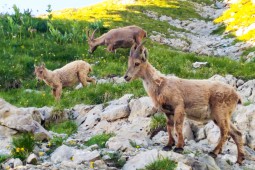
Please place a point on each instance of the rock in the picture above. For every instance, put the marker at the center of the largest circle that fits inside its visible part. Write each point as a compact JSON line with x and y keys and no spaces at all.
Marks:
{"x":9,"y":114}
{"x":212,"y":132}
{"x":32,"y":159}
{"x":239,"y":82}
{"x":144,"y":158}
{"x":136,"y":131}
{"x":62,"y":153}
{"x":187,"y":131}
{"x":80,"y":156}
{"x":222,"y":164}
{"x":91,"y":118}
{"x":115,"y":112}
{"x":182,"y":166}
{"x":17,"y":162}
{"x":100,"y":164}
{"x":85,"y":110}
{"x":244,"y":117}
{"x":142,"y":107}
{"x":199,"y":64}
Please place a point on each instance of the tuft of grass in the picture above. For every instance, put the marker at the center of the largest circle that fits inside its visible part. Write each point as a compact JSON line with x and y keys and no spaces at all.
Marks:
{"x":54,"y":143}
{"x":134,"y":144}
{"x":3,"y":158}
{"x":68,"y":127}
{"x":161,"y":164}
{"x":100,"y":140}
{"x":158,"y":120}
{"x":116,"y":160}
{"x":23,"y":145}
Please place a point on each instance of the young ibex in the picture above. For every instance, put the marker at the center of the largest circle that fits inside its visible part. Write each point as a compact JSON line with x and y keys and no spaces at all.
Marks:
{"x":123,"y":37}
{"x":200,"y":100}
{"x":69,"y":75}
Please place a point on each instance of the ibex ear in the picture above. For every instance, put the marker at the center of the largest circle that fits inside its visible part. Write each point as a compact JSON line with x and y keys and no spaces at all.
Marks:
{"x":132,"y":50}
{"x":43,"y":65}
{"x":144,"y":54}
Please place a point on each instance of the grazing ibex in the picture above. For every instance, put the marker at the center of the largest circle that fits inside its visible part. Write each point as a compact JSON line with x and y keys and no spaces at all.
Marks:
{"x":123,"y":37}
{"x":69,"y":75}
{"x":200,"y":100}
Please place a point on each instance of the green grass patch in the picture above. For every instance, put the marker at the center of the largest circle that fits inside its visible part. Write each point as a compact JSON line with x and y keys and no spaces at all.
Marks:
{"x":67,"y":127}
{"x":158,"y":120}
{"x":161,"y":164}
{"x":3,"y":158}
{"x":100,"y":140}
{"x":23,"y":145}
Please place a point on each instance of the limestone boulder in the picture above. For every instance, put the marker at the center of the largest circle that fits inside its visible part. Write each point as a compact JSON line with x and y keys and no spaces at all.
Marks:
{"x":142,"y":107}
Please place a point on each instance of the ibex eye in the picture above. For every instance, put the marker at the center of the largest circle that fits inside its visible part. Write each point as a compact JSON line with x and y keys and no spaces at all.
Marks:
{"x":137,"y":64}
{"x":40,"y":72}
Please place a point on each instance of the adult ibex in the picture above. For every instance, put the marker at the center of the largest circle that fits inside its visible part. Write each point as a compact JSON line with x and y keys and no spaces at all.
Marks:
{"x":200,"y":100}
{"x":123,"y":37}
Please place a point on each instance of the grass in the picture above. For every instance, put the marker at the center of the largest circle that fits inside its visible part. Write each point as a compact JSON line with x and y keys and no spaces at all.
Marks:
{"x":158,"y":120}
{"x":3,"y":158}
{"x":23,"y":145}
{"x":100,"y":140}
{"x":161,"y":164}
{"x":61,"y":38}
{"x":54,"y":143}
{"x":67,"y":127}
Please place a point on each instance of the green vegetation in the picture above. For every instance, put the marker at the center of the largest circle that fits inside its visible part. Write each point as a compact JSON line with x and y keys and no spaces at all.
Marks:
{"x":161,"y":164}
{"x":100,"y":140}
{"x":116,"y":160}
{"x":54,"y":143}
{"x":3,"y":158}
{"x":134,"y":144}
{"x":158,"y":120}
{"x":61,"y":38}
{"x":23,"y":145}
{"x":67,"y":127}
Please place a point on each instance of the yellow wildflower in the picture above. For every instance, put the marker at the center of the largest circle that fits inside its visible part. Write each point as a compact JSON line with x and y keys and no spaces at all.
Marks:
{"x":91,"y":165}
{"x":71,"y":158}
{"x":41,"y":153}
{"x":17,"y":149}
{"x":22,"y":149}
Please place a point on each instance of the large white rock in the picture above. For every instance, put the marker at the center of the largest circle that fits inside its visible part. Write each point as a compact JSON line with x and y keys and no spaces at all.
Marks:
{"x":17,"y":119}
{"x":182,"y":166}
{"x":212,"y":132}
{"x":245,"y":121}
{"x":115,"y":112}
{"x":90,"y":119}
{"x":142,"y":107}
{"x":136,"y":131}
{"x":62,"y":153}
{"x":144,"y":158}
{"x":83,"y":110}
{"x":80,"y":156}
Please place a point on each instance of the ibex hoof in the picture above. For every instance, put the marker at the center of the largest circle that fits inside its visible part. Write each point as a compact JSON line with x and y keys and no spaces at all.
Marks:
{"x":178,"y":150}
{"x":212,"y":154}
{"x":167,"y":148}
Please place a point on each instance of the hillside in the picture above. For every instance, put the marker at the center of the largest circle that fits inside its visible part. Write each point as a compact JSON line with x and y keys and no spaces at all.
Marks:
{"x":108,"y":125}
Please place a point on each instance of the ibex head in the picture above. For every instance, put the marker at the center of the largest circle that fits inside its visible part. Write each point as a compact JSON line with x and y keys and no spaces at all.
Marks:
{"x":136,"y":62}
{"x":91,"y":41}
{"x":40,"y":71}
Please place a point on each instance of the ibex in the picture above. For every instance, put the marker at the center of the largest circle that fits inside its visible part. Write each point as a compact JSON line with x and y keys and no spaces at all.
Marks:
{"x":69,"y":75}
{"x":123,"y":37}
{"x":200,"y":100}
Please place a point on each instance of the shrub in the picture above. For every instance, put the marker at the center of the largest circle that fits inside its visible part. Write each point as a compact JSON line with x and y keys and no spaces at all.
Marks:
{"x":100,"y":140}
{"x":22,"y":145}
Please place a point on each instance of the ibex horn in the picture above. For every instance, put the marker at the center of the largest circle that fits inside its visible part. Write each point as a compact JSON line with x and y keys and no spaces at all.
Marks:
{"x":92,"y":36}
{"x":137,"y":51}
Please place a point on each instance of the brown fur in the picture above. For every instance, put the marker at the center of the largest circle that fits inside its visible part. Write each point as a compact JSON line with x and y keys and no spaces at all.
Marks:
{"x":200,"y":100}
{"x":69,"y":75}
{"x":123,"y":37}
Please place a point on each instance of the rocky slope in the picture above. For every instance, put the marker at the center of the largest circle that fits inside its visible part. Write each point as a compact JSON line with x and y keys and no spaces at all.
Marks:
{"x":198,"y":36}
{"x":129,"y":119}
